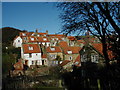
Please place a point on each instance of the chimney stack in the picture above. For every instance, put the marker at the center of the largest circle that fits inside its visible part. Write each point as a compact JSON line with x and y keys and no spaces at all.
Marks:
{"x":47,"y":31}
{"x":36,"y":30}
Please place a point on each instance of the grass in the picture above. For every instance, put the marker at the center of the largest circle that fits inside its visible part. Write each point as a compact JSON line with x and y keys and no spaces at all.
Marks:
{"x":50,"y":88}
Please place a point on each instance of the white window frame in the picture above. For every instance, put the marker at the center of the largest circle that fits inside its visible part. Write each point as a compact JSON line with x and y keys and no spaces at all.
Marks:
{"x":23,"y":34}
{"x":53,"y":56}
{"x":52,"y":49}
{"x":94,"y":58}
{"x":84,"y":58}
{"x":32,"y":39}
{"x":69,"y":52}
{"x":30,"y":48}
{"x":44,"y":39}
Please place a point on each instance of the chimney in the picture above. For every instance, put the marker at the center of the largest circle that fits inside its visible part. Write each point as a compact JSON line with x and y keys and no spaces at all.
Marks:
{"x":47,"y":31}
{"x":36,"y":30}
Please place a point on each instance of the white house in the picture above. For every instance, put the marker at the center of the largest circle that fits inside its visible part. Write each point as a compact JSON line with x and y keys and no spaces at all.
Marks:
{"x":31,"y":54}
{"x":17,"y":42}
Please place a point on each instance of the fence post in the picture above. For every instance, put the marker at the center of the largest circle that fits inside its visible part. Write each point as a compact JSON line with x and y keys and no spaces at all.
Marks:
{"x":98,"y":82}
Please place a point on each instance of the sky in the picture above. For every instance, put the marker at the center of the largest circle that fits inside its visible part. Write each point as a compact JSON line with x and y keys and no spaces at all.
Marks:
{"x":31,"y":16}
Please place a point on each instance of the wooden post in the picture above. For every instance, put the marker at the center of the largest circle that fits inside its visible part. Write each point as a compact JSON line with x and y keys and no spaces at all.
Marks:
{"x":98,"y":82}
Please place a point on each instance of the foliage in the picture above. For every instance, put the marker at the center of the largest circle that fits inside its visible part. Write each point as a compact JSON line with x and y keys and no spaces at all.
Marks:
{"x":54,"y":71}
{"x":91,"y":77}
{"x":10,"y":55}
{"x":7,"y":62}
{"x":8,"y":34}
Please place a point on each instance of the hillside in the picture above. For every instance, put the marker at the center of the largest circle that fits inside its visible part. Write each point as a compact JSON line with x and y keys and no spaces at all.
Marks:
{"x":8,"y":34}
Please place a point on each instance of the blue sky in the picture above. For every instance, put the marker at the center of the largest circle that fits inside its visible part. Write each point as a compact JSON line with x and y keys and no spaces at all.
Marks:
{"x":31,"y":15}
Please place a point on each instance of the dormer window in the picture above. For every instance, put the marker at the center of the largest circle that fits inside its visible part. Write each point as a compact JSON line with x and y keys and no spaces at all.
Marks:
{"x":53,"y":39}
{"x":56,"y":38}
{"x":69,"y":52}
{"x":44,"y":39}
{"x":32,"y":39}
{"x":63,"y":39}
{"x":23,"y":34}
{"x":44,"y":34}
{"x":30,"y":48}
{"x":52,"y":49}
{"x":38,"y":35}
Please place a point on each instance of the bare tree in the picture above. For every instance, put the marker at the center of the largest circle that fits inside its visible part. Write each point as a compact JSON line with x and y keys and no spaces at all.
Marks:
{"x":77,"y":17}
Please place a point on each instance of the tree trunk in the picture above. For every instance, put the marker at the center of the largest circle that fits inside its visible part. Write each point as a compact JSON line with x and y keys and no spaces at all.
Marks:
{"x":105,"y":53}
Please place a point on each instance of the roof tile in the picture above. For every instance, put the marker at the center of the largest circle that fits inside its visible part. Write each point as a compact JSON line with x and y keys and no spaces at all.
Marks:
{"x":36,"y":48}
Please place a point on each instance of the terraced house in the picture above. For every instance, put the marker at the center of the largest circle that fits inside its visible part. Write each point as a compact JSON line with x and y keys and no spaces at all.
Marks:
{"x":44,"y":49}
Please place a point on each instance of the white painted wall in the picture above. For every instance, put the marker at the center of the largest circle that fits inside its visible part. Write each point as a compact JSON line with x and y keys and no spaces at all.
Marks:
{"x":17,"y":42}
{"x":35,"y":56}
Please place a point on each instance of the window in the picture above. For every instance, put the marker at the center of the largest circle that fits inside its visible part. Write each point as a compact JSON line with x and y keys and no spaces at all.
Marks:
{"x":32,"y":39}
{"x":70,"y":57}
{"x":44,"y":39}
{"x":53,"y":56}
{"x":94,"y":58}
{"x":63,"y":39}
{"x":56,"y":38}
{"x":18,"y":40}
{"x":44,"y":34}
{"x":52,"y":49}
{"x":84,"y":58}
{"x":23,"y":34}
{"x":52,"y":38}
{"x":32,"y":62}
{"x":69,"y":52}
{"x":30,"y":48}
{"x":30,"y":55}
{"x":76,"y":63}
{"x":72,"y":44}
{"x":36,"y":54}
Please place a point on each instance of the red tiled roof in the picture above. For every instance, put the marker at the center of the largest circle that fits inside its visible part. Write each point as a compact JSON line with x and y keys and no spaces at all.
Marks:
{"x":63,"y":44}
{"x":98,"y":47}
{"x":30,"y":39}
{"x":18,"y":65}
{"x":26,"y":33}
{"x":36,"y":48}
{"x":110,"y":55}
{"x":80,"y":41}
{"x":42,"y":33}
{"x":75,"y":50}
{"x":71,"y":38}
{"x":65,"y":62}
{"x":41,"y":39}
{"x":57,"y":49}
